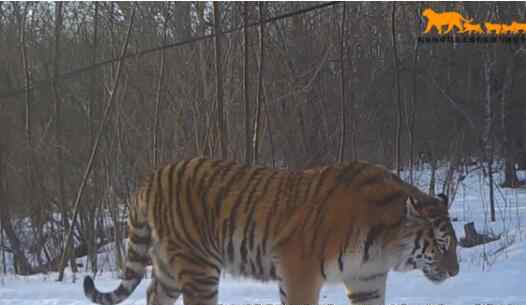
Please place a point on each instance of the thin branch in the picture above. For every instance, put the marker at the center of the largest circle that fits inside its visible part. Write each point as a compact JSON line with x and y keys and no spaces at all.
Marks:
{"x":94,"y":149}
{"x":72,"y":73}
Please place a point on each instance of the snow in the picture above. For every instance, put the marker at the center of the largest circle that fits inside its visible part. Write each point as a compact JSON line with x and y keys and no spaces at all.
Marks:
{"x":489,"y":274}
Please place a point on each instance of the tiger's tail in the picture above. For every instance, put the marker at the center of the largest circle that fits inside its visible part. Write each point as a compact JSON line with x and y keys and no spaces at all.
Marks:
{"x":139,"y":242}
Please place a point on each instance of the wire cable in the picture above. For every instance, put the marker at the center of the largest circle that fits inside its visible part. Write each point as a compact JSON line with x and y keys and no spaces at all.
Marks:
{"x":72,"y":73}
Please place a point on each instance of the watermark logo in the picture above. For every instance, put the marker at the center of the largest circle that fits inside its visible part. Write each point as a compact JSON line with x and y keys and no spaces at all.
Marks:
{"x":467,"y":30}
{"x":440,"y":20}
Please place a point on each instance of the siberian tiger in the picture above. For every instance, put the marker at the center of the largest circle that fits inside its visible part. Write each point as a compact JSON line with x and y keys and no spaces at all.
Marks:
{"x":352,"y":223}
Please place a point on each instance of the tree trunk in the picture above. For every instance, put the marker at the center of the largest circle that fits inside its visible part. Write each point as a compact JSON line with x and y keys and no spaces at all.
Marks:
{"x":473,"y":238}
{"x":488,"y":133}
{"x":91,"y":212}
{"x":398,"y":134}
{"x":221,"y":130}
{"x":411,"y":113}
{"x":506,"y":121}
{"x":155,"y":145}
{"x":341,"y":151}
{"x":255,"y":137}
{"x":59,"y":145}
{"x":248,"y":152}
{"x":94,"y":149}
{"x":22,"y":264}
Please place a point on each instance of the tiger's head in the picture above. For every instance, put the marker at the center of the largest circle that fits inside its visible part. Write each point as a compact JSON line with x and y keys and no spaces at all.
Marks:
{"x":428,"y":239}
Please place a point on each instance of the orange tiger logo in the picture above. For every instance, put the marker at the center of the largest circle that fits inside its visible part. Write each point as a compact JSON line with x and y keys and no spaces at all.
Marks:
{"x":513,"y":28}
{"x":439,"y":20}
{"x":196,"y":218}
{"x":472,"y":28}
{"x":493,"y":28}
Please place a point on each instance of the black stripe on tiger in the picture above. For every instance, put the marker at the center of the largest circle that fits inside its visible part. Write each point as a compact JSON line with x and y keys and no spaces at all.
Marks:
{"x":200,"y":292}
{"x":198,"y":261}
{"x":372,"y":277}
{"x":203,"y":248}
{"x":344,"y":246}
{"x":417,"y":241}
{"x":253,"y":203}
{"x":373,"y":234}
{"x":322,"y":255}
{"x":270,"y":215}
{"x":194,"y":218}
{"x":158,"y":207}
{"x":243,"y":247}
{"x":223,"y":193}
{"x":319,"y":215}
{"x":363,"y":297}
{"x":176,"y":212}
{"x":234,"y":212}
{"x":219,"y":171}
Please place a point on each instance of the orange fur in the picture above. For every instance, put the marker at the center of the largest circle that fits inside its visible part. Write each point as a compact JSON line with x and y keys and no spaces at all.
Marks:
{"x":299,"y":227}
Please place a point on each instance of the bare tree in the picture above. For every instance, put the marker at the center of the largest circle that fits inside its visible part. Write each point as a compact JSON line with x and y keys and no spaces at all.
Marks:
{"x":255,"y":137}
{"x":94,"y":149}
{"x":488,"y":131}
{"x":398,"y":132}
{"x":59,"y":143}
{"x":91,"y":212}
{"x":411,"y":107}
{"x":221,"y":130}
{"x":248,"y":147}
{"x":343,"y":113}
{"x":162,"y":55}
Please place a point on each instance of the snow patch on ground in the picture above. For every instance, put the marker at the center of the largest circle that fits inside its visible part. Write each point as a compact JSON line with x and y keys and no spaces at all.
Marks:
{"x":491,"y":273}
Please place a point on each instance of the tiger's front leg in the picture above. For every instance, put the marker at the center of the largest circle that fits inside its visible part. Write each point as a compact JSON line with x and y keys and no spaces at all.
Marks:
{"x":367,"y":289}
{"x":301,"y":279}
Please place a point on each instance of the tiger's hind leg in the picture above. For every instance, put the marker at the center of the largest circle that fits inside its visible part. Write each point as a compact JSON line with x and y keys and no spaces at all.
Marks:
{"x":198,"y":278}
{"x":200,"y":287}
{"x":164,"y":288}
{"x":160,"y":294}
{"x":367,"y":289}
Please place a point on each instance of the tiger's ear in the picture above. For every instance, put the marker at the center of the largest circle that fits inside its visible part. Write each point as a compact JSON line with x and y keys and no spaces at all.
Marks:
{"x":444,"y":200}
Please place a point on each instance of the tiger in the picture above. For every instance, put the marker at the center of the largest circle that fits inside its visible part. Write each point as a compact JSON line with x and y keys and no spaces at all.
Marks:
{"x":352,"y":223}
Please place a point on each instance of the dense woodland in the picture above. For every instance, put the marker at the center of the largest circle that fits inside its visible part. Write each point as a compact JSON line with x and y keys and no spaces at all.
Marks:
{"x":343,"y":81}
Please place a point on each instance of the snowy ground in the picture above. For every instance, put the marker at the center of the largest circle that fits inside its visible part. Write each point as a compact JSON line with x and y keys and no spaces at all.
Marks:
{"x":490,"y":274}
